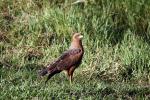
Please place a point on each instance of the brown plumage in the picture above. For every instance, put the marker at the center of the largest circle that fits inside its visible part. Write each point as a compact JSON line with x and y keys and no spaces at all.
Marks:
{"x":68,"y":61}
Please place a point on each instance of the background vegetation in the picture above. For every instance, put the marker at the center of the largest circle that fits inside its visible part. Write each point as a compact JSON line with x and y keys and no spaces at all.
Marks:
{"x":116,"y":63}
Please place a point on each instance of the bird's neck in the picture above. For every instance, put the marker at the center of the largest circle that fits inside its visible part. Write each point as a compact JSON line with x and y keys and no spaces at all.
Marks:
{"x":76,"y":44}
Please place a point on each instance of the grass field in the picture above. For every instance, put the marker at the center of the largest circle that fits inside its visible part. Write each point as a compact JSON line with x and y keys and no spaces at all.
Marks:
{"x":116,"y":63}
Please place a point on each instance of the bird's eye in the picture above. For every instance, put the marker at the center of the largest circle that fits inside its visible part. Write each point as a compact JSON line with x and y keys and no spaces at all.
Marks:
{"x":76,"y":36}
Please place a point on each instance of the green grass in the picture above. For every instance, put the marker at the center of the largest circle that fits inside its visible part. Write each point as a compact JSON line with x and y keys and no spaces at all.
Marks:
{"x":116,"y":63}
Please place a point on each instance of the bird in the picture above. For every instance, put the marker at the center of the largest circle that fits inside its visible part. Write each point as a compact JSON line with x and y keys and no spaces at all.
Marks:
{"x":68,"y":61}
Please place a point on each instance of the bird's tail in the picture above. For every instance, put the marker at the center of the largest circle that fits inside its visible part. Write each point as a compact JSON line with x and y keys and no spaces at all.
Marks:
{"x":51,"y":71}
{"x":43,"y":72}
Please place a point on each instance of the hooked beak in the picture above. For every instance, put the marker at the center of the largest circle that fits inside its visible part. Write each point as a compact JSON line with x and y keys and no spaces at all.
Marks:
{"x":81,"y":36}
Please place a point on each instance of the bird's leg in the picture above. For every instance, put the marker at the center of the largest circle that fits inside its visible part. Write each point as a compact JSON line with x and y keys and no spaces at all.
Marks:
{"x":70,"y":79}
{"x":70,"y":74}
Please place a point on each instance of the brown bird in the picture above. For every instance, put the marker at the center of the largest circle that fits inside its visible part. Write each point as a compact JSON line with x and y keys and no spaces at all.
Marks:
{"x":68,"y":61}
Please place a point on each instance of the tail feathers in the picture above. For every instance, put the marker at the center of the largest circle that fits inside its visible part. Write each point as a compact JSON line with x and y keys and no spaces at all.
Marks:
{"x":51,"y":74}
{"x":50,"y":71}
{"x":43,"y":72}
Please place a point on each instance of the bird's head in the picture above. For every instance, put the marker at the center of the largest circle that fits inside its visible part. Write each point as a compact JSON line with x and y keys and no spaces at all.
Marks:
{"x":76,"y":41}
{"x":77,"y":37}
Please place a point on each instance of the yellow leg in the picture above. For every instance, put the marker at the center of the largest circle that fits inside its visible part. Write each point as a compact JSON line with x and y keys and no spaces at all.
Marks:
{"x":70,"y":74}
{"x":70,"y":79}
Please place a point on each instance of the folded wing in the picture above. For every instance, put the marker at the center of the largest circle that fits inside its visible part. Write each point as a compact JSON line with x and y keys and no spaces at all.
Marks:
{"x":67,"y":59}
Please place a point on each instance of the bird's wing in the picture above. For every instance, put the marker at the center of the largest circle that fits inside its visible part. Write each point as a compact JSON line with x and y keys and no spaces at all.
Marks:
{"x":68,"y":59}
